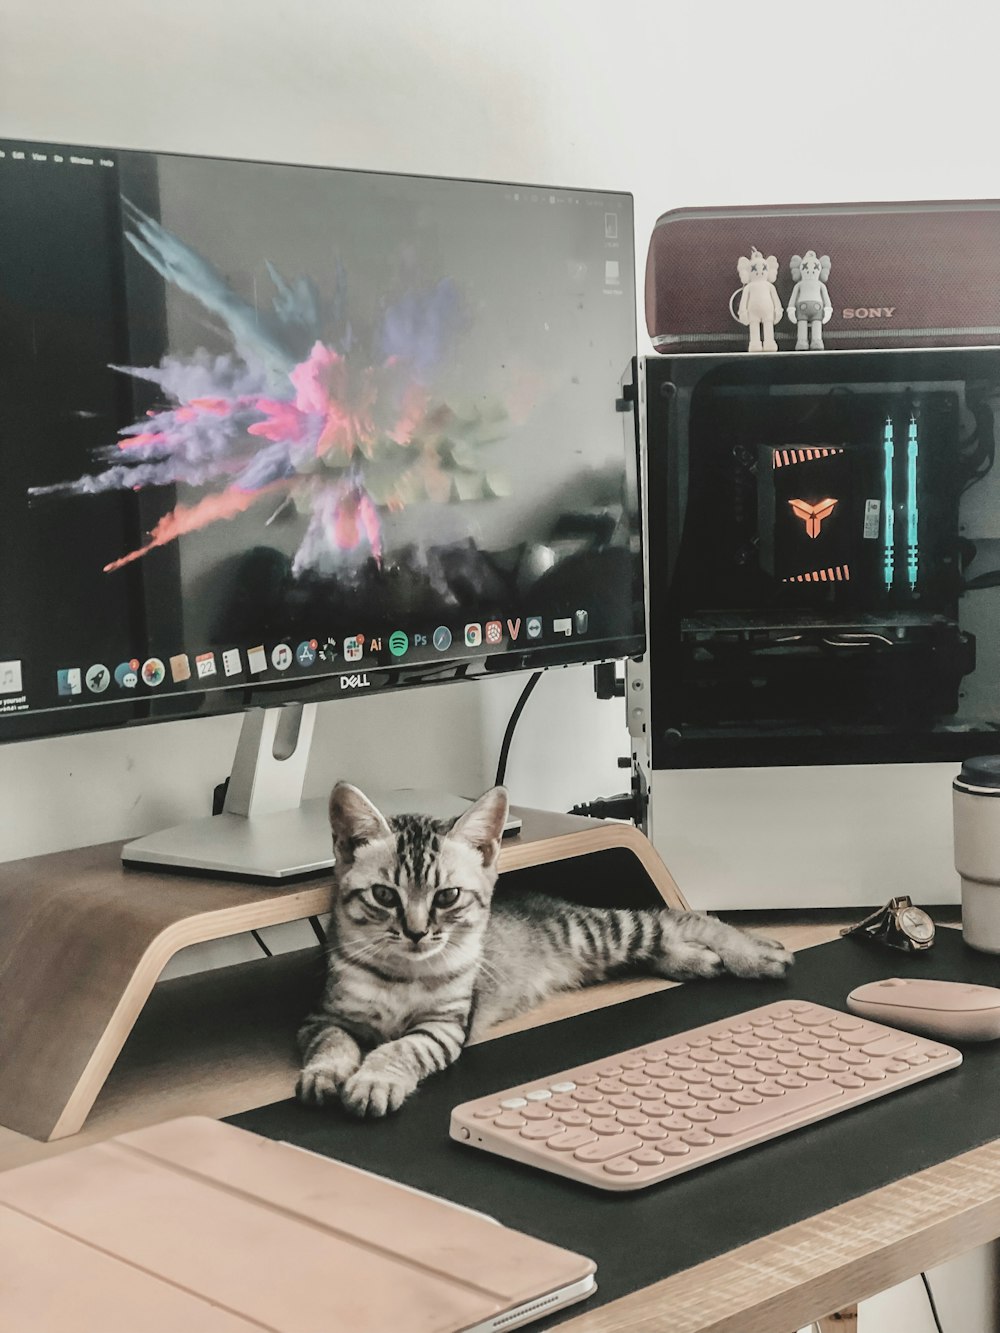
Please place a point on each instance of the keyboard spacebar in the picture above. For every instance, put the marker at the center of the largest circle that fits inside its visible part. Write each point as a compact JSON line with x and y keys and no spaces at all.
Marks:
{"x":754,"y":1117}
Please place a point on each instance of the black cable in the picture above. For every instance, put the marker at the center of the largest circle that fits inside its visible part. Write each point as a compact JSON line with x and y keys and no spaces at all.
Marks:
{"x":508,"y":735}
{"x":264,"y":949}
{"x":930,"y":1297}
{"x":318,"y":930}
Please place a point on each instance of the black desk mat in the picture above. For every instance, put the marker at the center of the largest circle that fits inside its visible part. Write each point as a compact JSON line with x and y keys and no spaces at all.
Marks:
{"x":641,"y":1238}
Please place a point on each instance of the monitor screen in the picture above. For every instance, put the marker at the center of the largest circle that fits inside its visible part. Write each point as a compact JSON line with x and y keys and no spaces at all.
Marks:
{"x":274,"y":432}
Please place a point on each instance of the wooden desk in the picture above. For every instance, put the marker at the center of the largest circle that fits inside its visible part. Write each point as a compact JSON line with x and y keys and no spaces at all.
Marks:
{"x":219,"y":1043}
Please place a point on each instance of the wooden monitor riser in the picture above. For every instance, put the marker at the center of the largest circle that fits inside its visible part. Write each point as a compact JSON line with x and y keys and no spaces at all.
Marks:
{"x":84,"y":941}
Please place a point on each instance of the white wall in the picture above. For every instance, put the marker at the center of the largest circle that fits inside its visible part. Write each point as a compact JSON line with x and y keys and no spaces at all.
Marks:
{"x":695,"y":104}
{"x":681,"y":104}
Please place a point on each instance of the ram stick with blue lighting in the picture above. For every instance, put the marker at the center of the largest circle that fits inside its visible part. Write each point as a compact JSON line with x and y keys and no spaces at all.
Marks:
{"x":912,"y":555}
{"x":889,"y":537}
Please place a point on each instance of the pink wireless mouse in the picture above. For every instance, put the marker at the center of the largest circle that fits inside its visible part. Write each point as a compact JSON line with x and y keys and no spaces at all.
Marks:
{"x":949,"y":1010}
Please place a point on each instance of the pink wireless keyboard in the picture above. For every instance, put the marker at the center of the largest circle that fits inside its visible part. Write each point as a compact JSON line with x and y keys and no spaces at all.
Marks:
{"x":643,"y":1115}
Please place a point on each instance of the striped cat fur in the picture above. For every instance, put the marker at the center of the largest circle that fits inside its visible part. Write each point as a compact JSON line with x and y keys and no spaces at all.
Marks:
{"x":421,"y":958}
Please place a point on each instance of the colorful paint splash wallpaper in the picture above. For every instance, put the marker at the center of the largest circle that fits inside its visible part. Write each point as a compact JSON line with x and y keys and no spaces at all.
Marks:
{"x":346,"y":433}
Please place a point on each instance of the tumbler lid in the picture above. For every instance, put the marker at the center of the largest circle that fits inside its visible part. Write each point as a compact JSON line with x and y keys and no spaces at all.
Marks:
{"x":983,"y":771}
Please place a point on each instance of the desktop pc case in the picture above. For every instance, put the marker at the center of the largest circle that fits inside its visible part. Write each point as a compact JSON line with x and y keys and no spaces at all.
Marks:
{"x":901,"y":274}
{"x":823,"y":577}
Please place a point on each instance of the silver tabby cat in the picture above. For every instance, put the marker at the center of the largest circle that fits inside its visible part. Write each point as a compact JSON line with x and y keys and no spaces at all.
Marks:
{"x":419,"y":963}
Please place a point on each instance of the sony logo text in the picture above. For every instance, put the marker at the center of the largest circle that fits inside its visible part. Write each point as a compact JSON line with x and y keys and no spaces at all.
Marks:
{"x":355,"y":682}
{"x":870,"y":312}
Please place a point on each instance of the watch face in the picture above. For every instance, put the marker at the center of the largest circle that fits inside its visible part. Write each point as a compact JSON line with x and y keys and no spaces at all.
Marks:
{"x":916,"y":924}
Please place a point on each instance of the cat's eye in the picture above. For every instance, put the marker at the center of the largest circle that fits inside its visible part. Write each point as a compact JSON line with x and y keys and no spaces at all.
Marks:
{"x":383,"y":895}
{"x":446,"y":897}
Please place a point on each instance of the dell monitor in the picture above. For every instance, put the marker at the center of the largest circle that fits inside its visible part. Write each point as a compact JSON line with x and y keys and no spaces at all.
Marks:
{"x":272,"y":435}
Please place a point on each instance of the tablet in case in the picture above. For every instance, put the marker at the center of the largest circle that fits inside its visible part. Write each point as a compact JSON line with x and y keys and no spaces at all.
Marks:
{"x":197,"y":1224}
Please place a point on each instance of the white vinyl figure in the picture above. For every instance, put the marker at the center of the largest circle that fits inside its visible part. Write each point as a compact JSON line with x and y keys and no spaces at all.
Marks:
{"x":809,"y":305}
{"x":759,"y":304}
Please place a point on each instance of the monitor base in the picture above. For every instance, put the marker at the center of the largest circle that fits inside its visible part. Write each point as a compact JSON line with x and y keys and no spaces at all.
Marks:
{"x":284,"y":844}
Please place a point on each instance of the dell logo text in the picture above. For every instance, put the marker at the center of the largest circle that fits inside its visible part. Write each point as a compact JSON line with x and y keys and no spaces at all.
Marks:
{"x":355,"y":682}
{"x":870,"y":312}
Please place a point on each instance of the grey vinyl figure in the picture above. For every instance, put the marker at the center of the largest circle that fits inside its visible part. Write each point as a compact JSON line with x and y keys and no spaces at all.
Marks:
{"x":809,"y":305}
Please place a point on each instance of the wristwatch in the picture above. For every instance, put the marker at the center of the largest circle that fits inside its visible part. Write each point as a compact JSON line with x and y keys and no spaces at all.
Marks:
{"x":898,"y":924}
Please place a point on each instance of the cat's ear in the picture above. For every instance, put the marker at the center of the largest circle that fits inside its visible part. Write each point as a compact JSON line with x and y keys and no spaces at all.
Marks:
{"x":481,"y":826}
{"x":354,"y":820}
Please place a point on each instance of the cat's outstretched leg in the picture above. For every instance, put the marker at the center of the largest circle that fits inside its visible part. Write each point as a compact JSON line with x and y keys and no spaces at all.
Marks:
{"x":694,"y":944}
{"x":392,"y":1071}
{"x":329,"y":1057}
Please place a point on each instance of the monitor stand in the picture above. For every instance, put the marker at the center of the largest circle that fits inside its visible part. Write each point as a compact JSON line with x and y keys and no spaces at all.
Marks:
{"x":266,"y":830}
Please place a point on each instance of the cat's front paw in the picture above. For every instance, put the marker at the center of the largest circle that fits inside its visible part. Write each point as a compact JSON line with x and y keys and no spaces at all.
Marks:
{"x":752,"y":956}
{"x":375,"y":1092}
{"x":323,"y":1077}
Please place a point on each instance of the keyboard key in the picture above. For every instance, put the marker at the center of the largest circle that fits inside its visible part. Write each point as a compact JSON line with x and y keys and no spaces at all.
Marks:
{"x":539,"y":1095}
{"x":723,"y":1106}
{"x":603,"y":1150}
{"x":564,"y":1086}
{"x":694,"y":1076}
{"x":659,"y":1069}
{"x":890,"y":1045}
{"x":652,"y":1132}
{"x":633,"y":1079}
{"x":609,"y":1071}
{"x":698,"y":1138}
{"x":537,"y":1112}
{"x":705,"y":1094}
{"x":770,"y":1067}
{"x":571,"y":1140}
{"x":574,"y":1118}
{"x":792,"y":1061}
{"x":656,"y":1109}
{"x":870,"y":1073}
{"x":895,"y":1066}
{"x":632,"y":1118}
{"x":678,"y":1062}
{"x":509,"y":1120}
{"x":747,"y":1098}
{"x":679,"y":1100}
{"x":746,"y":1043}
{"x":541,"y":1129}
{"x":834,"y":1065}
{"x":512,"y":1103}
{"x":561,"y":1103}
{"x":791,"y":1081}
{"x":914,"y":1058}
{"x":621,"y":1167}
{"x":625,"y":1102}
{"x":647,"y":1157}
{"x":633,"y":1062}
{"x":696,"y":1042}
{"x":846,"y":1024}
{"x":700,"y":1115}
{"x":733,"y":1047}
{"x":673,"y":1148}
{"x":726,"y":1084}
{"x":675,"y":1122}
{"x":585,"y":1080}
{"x":611,"y":1085}
{"x":855,"y":1058}
{"x":815,"y":1073}
{"x":488,"y":1112}
{"x":751,"y":1076}
{"x":606,"y":1127}
{"x":602,"y":1111}
{"x":769,"y":1089}
{"x":848,"y":1081}
{"x":740,"y":1062}
{"x":833,"y":1045}
{"x":587,"y":1096}
{"x":654,"y":1092}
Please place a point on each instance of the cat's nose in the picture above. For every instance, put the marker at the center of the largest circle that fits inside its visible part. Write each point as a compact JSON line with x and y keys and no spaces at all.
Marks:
{"x":415,"y":935}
